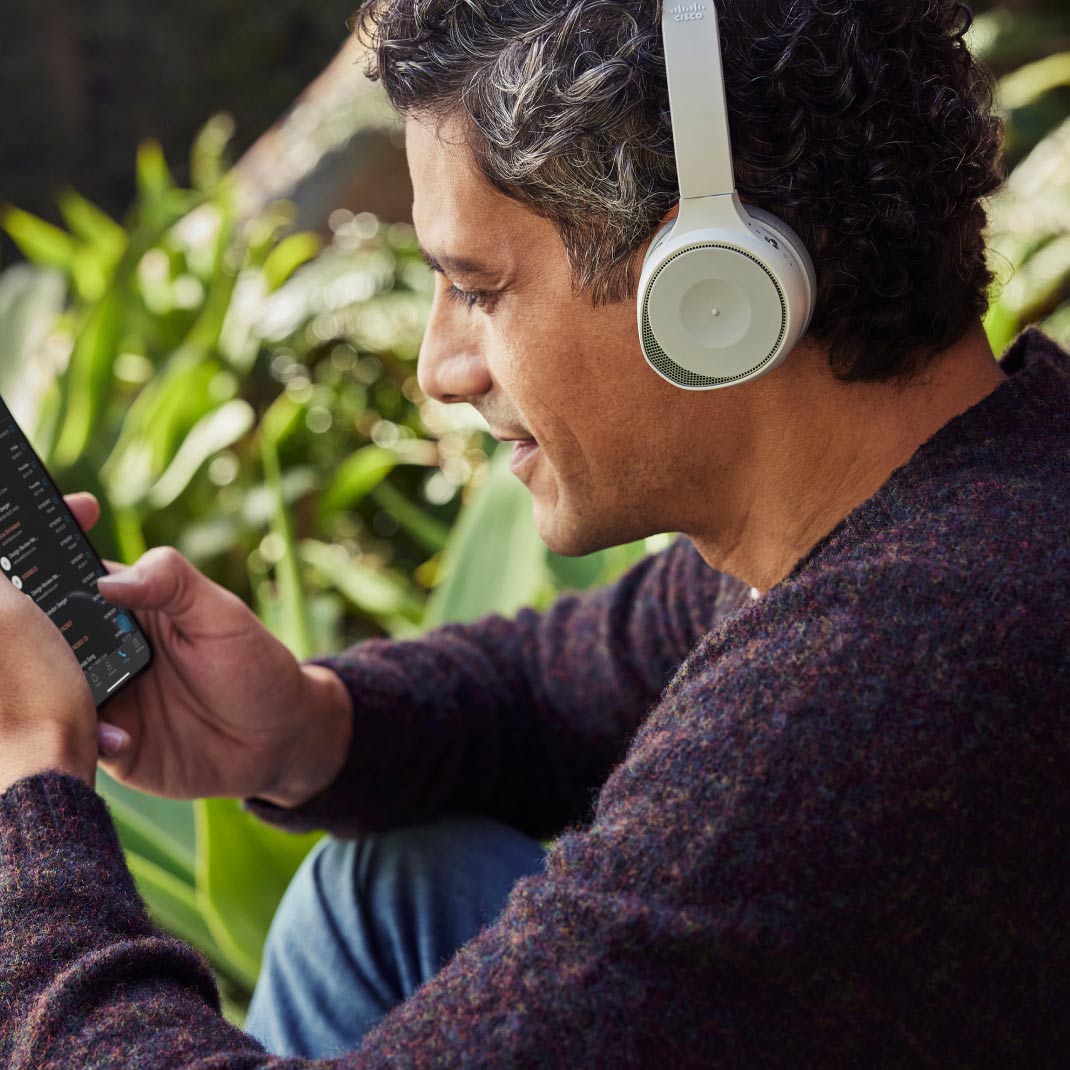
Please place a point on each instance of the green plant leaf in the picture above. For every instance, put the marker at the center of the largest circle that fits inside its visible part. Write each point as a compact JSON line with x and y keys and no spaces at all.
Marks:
{"x":92,"y":225}
{"x":89,"y":376}
{"x":212,"y":433}
{"x":430,"y":533}
{"x":173,"y":905}
{"x":154,"y":179}
{"x":40,"y":241}
{"x":296,"y":629}
{"x":494,"y":561}
{"x":354,"y":478}
{"x":166,"y":410}
{"x":243,"y":869}
{"x":375,"y":593}
{"x":1026,"y":84}
{"x":168,"y":821}
{"x":288,"y":256}
{"x":138,"y":834}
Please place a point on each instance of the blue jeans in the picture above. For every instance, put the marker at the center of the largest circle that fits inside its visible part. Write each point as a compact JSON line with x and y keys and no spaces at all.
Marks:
{"x":365,"y":922}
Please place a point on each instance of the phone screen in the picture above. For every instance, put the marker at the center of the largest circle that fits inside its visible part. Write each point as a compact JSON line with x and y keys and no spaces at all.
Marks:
{"x":45,"y":554}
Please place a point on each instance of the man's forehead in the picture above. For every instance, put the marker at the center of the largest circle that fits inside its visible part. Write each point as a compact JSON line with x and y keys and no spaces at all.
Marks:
{"x":459,"y":216}
{"x":448,"y":190}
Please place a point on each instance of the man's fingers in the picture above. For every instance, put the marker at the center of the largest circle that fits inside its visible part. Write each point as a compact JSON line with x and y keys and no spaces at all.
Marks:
{"x":85,"y":507}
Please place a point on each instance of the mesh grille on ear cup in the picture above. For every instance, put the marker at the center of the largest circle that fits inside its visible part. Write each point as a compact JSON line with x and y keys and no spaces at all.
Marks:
{"x":683,"y":376}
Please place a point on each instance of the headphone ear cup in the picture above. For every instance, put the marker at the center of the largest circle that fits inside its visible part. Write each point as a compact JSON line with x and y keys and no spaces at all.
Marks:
{"x":661,"y":233}
{"x":784,"y":235}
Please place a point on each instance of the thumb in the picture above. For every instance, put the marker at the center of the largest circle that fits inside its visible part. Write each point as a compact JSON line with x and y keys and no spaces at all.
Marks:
{"x":161,"y":579}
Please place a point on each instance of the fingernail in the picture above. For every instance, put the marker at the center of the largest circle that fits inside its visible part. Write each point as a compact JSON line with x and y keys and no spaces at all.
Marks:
{"x":127,"y":578}
{"x":112,"y":739}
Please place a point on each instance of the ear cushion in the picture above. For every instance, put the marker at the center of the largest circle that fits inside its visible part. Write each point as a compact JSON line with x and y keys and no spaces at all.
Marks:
{"x":661,"y":233}
{"x":788,"y":237}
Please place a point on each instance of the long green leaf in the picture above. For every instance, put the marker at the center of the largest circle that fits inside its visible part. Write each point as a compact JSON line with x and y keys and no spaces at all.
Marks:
{"x":354,"y":478}
{"x":376,"y":594}
{"x":170,"y":820}
{"x":243,"y":869}
{"x":138,"y":834}
{"x":92,"y":225}
{"x":173,"y":905}
{"x":211,"y":434}
{"x":494,"y":561}
{"x":42,"y":242}
{"x":288,"y":256}
{"x":430,"y":533}
{"x":294,"y":621}
{"x":89,"y":377}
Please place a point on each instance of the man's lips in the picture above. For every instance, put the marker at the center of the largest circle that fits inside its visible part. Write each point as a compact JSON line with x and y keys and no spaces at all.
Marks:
{"x":525,"y":448}
{"x":524,"y":452}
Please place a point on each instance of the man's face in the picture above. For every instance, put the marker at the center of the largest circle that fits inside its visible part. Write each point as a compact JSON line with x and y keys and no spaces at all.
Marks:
{"x":605,"y":450}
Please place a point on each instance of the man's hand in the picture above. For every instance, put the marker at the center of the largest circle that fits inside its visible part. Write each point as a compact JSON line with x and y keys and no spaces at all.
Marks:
{"x":225,"y":709}
{"x":48,"y":719}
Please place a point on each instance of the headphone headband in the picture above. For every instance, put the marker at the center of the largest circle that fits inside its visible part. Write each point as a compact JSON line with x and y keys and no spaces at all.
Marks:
{"x":697,"y":98}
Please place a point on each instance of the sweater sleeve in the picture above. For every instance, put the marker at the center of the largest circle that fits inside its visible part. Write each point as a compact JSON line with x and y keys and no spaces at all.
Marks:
{"x":809,"y":856}
{"x":517,"y":719}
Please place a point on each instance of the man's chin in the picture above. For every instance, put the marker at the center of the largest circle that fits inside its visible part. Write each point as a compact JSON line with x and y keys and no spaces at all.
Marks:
{"x":567,"y":534}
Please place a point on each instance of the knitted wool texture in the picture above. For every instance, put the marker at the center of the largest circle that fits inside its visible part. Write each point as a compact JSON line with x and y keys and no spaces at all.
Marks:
{"x":827,"y":827}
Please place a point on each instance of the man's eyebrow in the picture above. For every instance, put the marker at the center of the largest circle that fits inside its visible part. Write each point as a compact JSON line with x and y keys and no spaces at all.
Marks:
{"x":457,"y":265}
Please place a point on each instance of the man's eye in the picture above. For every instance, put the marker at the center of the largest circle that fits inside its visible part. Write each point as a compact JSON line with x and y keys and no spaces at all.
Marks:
{"x":469,"y":298}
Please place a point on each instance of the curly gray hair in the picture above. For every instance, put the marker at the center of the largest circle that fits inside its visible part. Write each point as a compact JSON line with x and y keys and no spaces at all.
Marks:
{"x":867,"y":126}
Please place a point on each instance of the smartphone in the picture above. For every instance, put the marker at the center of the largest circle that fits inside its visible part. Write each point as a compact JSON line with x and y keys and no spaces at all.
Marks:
{"x":46,"y":555}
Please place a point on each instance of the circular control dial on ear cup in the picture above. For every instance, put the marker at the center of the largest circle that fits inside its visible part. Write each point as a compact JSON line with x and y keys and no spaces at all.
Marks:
{"x":716,"y":314}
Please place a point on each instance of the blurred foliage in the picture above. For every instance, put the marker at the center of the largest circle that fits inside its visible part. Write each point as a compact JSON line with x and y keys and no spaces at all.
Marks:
{"x":248,"y":394}
{"x":1027,"y":45}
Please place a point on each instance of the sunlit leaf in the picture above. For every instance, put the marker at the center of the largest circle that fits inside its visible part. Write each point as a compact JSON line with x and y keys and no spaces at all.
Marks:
{"x":89,"y":376}
{"x":92,"y":225}
{"x":288,"y":256}
{"x":40,"y":241}
{"x":354,"y":478}
{"x":494,"y":561}
{"x":154,"y":179}
{"x":212,"y":433}
{"x":243,"y":869}
{"x":1026,"y":84}
{"x":375,"y":593}
{"x":173,"y":905}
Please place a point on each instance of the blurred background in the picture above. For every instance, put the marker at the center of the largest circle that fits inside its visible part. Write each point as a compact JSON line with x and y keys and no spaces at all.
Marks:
{"x":210,"y":308}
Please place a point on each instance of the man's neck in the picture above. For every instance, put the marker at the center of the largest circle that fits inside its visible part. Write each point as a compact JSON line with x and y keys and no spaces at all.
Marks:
{"x":831,"y":446}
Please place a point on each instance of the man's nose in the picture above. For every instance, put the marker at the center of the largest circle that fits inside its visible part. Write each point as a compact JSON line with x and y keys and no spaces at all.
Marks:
{"x":451,"y":365}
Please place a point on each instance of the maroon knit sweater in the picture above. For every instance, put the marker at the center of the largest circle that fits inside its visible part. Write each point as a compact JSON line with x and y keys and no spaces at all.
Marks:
{"x":828,"y":827}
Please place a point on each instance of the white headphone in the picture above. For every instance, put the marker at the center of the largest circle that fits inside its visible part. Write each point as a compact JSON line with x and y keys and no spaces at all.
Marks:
{"x":726,"y":290}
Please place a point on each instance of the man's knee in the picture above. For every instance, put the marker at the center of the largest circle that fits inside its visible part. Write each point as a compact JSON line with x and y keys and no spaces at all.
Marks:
{"x":341,"y":882}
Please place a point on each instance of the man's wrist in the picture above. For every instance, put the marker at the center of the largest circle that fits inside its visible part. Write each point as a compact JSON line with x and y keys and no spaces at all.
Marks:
{"x":25,"y":758}
{"x":327,"y":719}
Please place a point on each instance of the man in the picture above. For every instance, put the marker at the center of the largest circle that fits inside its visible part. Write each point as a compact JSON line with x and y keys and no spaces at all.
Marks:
{"x":805,"y":769}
